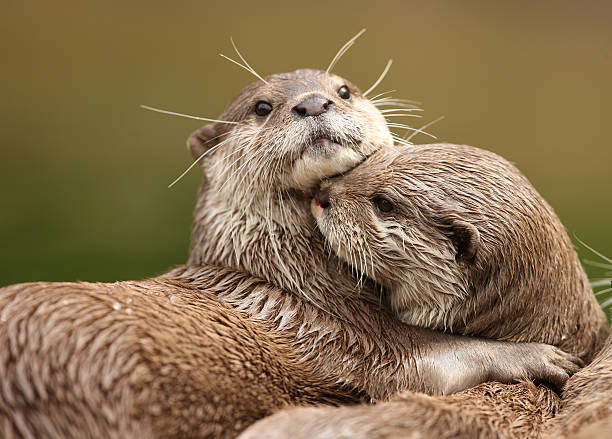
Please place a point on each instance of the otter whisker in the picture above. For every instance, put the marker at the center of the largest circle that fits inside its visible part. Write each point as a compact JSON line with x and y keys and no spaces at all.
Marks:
{"x":195,"y":162}
{"x":402,"y":115}
{"x":173,"y":113}
{"x":403,"y":102}
{"x":605,"y":258}
{"x":380,"y":78}
{"x":403,"y":110}
{"x":343,"y":50}
{"x":224,"y":158}
{"x":407,"y":127}
{"x":427,"y":125}
{"x":596,"y":264}
{"x":607,"y":290}
{"x":400,"y":140}
{"x":381,"y":94}
{"x":247,"y":161}
{"x":246,"y":66}
{"x":605,"y":304}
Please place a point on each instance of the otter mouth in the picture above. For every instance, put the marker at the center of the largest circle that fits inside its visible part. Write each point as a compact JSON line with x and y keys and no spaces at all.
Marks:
{"x":324,"y":153}
{"x":321,"y":144}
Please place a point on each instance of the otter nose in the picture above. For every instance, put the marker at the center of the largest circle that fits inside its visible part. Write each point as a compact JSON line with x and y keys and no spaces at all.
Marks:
{"x":312,"y":106}
{"x":322,"y":199}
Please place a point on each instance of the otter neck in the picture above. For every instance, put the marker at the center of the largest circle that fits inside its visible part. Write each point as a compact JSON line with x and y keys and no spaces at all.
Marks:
{"x":276,"y":242}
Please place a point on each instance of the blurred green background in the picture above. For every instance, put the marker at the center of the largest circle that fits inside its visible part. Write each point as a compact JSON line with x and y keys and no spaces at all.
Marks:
{"x":84,"y":170}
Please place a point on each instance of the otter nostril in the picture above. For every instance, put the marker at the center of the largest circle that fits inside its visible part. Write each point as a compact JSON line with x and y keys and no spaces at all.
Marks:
{"x":322,"y":199}
{"x":300,"y":110}
{"x":313,"y":106}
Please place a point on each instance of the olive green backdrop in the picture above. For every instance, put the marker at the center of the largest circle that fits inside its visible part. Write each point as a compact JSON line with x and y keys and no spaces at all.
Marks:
{"x":84,"y":170}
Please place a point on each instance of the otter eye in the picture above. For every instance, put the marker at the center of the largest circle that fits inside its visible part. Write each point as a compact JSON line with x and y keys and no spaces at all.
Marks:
{"x":344,"y":92}
{"x":262,"y":108}
{"x":383,"y":205}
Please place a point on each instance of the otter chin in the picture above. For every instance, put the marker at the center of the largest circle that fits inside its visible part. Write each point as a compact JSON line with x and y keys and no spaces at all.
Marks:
{"x":462,"y":242}
{"x":324,"y":160}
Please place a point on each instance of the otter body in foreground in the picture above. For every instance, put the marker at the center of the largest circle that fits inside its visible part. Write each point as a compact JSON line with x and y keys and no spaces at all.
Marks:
{"x":461,"y":241}
{"x":155,"y":358}
{"x":306,"y":324}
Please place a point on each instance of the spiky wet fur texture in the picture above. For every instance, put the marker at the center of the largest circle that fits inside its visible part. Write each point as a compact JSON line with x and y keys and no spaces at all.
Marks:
{"x":262,"y":348}
{"x":522,"y":269}
{"x":586,"y":409}
{"x":253,"y":215}
{"x":528,"y":261}
{"x":487,"y":411}
{"x":490,"y":410}
{"x":156,"y":358}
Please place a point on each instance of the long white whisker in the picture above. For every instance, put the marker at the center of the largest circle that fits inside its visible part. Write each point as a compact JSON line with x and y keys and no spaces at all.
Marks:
{"x":380,"y":78}
{"x":427,"y":125}
{"x":402,"y":115}
{"x":343,"y":50}
{"x":244,"y":67}
{"x":194,"y":163}
{"x":402,"y":110}
{"x":382,"y":94}
{"x":251,"y":69}
{"x":172,"y":113}
{"x":593,"y":250}
{"x":401,"y":140}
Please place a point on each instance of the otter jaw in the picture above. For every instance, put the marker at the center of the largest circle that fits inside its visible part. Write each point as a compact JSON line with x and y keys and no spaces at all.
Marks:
{"x":309,"y":170}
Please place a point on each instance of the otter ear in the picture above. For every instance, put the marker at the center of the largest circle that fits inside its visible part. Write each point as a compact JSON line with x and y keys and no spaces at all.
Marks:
{"x":202,"y":140}
{"x":466,"y":238}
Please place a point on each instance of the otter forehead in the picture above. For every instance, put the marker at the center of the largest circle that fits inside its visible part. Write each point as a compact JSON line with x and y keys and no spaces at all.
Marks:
{"x":282,"y":87}
{"x":306,"y":80}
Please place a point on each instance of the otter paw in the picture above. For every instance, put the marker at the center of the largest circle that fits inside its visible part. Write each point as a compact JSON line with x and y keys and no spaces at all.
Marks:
{"x":550,"y":365}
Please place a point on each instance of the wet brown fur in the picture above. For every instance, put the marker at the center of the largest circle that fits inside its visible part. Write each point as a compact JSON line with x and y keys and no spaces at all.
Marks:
{"x":83,"y":368}
{"x":525,"y":272}
{"x":523,"y":280}
{"x":586,"y":410}
{"x":490,"y":410}
{"x":156,"y":358}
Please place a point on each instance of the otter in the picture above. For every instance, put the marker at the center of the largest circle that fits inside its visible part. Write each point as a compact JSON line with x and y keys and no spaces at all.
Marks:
{"x":285,"y":134}
{"x":261,"y":317}
{"x":462,"y":242}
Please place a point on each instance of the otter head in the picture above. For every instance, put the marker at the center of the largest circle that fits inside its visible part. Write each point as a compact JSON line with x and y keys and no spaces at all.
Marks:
{"x":287,"y":133}
{"x":461,"y":241}
{"x":402,"y":231}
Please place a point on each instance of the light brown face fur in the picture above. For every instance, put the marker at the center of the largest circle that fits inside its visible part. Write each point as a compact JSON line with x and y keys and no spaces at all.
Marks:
{"x":262,"y":156}
{"x":462,"y":242}
{"x":260,"y":172}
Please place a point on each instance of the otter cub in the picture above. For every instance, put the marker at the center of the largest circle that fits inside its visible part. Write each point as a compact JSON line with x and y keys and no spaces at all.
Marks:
{"x":462,"y":242}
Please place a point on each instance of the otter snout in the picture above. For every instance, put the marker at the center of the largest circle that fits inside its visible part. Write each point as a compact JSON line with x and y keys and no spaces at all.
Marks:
{"x":313,"y":105}
{"x":320,"y":202}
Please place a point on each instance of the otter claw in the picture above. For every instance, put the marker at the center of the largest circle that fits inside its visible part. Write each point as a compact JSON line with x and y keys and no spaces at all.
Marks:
{"x":557,"y":367}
